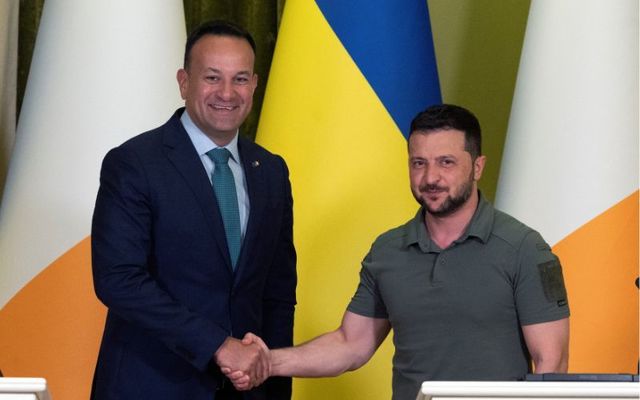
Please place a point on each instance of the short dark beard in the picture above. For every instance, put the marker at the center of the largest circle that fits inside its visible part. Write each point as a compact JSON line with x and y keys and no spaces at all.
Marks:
{"x":450,"y":204}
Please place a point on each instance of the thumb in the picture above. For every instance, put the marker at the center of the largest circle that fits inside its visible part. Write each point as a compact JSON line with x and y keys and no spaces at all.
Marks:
{"x":249,"y":338}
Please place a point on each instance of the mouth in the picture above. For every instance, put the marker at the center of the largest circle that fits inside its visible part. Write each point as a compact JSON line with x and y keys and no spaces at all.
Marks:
{"x":432,"y":189}
{"x":433,"y":193}
{"x":218,"y":107}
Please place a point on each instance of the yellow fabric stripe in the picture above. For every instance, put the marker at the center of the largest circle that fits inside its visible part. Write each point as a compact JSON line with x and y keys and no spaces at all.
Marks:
{"x":350,"y":181}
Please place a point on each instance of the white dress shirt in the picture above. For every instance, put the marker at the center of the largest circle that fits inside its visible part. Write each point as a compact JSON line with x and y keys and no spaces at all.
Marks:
{"x":203,"y":144}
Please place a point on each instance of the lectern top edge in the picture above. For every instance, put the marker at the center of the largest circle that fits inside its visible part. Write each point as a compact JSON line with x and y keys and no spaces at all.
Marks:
{"x":442,"y":390}
{"x":35,"y":386}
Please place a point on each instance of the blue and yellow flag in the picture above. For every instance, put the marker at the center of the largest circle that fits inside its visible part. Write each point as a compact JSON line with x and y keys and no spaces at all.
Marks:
{"x":346,"y":80}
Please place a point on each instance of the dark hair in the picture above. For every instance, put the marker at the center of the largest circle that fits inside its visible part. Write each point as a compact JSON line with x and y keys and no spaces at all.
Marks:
{"x":216,"y":28}
{"x":448,"y":116}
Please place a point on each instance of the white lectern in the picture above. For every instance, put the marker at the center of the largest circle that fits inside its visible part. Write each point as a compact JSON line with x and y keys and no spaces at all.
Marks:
{"x":441,"y":390}
{"x":23,"y":389}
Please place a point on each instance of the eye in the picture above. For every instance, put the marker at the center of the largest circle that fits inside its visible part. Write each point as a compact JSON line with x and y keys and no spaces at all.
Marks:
{"x":212,"y":78}
{"x":447,"y":162}
{"x":242,"y":80}
{"x":417,"y":163}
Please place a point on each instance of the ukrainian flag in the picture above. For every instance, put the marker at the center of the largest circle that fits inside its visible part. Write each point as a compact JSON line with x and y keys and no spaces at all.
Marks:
{"x":346,"y":80}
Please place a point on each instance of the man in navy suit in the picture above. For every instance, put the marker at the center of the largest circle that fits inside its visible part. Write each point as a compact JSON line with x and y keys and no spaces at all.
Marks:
{"x":178,"y":292}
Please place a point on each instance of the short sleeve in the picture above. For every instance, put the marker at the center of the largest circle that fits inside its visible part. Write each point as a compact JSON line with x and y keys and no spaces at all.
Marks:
{"x":540,"y":291}
{"x":367,"y":300}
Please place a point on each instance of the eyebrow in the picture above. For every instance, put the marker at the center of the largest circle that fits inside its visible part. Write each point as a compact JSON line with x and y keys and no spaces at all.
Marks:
{"x":437,"y":158}
{"x":217,"y":71}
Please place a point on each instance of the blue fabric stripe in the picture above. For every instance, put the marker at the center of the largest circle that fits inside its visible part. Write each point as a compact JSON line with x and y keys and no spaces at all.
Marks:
{"x":390,"y":41}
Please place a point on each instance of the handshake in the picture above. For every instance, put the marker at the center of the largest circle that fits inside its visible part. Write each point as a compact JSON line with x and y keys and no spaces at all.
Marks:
{"x":246,"y":362}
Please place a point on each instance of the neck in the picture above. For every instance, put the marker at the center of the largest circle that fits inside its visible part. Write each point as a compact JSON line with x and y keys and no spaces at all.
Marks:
{"x":445,"y":230}
{"x":221,"y":140}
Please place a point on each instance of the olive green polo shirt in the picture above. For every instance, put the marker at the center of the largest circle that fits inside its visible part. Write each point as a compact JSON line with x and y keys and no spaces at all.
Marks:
{"x":456,"y":312}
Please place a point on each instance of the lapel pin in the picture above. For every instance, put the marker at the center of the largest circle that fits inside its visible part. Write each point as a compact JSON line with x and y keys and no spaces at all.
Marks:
{"x":255,"y":163}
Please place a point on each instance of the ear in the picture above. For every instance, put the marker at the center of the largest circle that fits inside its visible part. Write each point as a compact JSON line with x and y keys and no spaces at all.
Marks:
{"x":183,"y":82}
{"x":254,"y":81}
{"x":478,"y":167}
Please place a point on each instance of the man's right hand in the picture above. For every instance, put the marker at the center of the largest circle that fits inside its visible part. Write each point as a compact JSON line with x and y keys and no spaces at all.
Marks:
{"x":331,"y":354}
{"x":240,"y":379}
{"x":247,"y":360}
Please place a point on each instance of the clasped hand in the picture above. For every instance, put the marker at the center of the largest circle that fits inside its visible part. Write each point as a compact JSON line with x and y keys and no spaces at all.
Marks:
{"x":245,"y":362}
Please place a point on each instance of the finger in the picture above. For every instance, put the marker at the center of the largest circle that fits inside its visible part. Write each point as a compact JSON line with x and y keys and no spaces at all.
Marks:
{"x":263,"y":346}
{"x":263,"y":352}
{"x":261,"y":366}
{"x":256,"y":368}
{"x":249,"y":338}
{"x":237,"y":376}
{"x":258,"y":340}
{"x":242,"y":381}
{"x":242,"y":386}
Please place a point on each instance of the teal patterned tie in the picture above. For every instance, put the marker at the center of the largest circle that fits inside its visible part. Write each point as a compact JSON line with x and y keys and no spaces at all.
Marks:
{"x":225,"y":189}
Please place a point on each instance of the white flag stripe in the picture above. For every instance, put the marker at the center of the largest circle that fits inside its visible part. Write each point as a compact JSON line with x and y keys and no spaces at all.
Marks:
{"x":572,"y":144}
{"x":101,"y":72}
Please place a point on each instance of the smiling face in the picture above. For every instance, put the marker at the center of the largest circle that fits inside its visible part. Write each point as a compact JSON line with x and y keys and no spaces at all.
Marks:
{"x":218,"y":85}
{"x":442,"y":173}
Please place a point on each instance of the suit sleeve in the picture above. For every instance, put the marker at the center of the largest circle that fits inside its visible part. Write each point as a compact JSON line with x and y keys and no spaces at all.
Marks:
{"x":121,"y":263}
{"x":280,"y":292}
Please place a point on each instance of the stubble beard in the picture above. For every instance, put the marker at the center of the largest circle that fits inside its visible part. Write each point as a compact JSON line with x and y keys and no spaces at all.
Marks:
{"x":452,"y":203}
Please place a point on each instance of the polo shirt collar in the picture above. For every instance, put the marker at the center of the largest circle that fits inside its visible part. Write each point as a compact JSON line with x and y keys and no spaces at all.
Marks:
{"x":417,"y":233}
{"x":481,"y":223}
{"x":479,"y":227}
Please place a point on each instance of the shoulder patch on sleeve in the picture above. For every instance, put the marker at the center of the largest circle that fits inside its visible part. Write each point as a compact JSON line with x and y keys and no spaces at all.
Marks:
{"x":553,"y":282}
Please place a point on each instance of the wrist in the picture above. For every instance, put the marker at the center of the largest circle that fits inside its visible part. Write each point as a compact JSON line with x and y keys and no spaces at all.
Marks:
{"x":276,"y":362}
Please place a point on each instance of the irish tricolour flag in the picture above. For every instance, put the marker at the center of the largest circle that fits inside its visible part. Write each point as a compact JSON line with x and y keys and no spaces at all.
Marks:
{"x":570,"y":166}
{"x":101,"y":72}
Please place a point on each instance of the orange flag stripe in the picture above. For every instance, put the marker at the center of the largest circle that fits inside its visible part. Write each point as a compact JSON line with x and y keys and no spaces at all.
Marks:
{"x":52,"y":327}
{"x":600,"y":263}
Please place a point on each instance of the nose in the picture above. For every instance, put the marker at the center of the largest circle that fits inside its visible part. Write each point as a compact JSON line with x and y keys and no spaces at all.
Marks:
{"x":226,"y":91}
{"x":431,"y":175}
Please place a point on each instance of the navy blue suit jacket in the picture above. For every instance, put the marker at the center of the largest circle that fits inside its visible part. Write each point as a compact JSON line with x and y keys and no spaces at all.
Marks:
{"x":161,"y":266}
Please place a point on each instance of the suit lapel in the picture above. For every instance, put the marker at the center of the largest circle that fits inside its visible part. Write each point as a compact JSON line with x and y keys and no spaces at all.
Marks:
{"x":257,"y":189}
{"x":183,"y":156}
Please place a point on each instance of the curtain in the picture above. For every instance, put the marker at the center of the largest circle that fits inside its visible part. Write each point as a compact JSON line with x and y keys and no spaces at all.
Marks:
{"x":8,"y":74}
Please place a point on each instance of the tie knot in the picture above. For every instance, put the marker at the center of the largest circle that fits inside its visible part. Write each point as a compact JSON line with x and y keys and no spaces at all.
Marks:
{"x":219,"y":156}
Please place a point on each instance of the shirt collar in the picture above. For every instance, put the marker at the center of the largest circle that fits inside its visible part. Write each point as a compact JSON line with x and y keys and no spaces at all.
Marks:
{"x":480,"y":227}
{"x":202,"y":143}
{"x":482,"y":221}
{"x":417,"y":233}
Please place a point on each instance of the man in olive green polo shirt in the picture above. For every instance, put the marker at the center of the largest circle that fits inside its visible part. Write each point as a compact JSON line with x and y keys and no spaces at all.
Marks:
{"x":470,"y":292}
